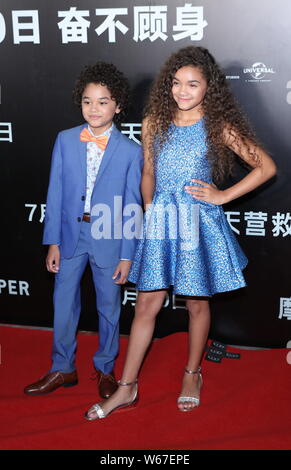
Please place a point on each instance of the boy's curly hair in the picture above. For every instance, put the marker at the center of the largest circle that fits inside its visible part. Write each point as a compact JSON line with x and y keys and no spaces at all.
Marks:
{"x":108,"y":75}
{"x":219,"y":106}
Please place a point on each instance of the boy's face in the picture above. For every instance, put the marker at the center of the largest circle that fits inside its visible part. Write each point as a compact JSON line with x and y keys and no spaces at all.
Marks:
{"x":98,"y":108}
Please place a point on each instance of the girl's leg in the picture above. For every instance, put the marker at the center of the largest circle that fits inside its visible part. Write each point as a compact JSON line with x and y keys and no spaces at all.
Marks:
{"x":199,"y":324}
{"x":147,"y":307}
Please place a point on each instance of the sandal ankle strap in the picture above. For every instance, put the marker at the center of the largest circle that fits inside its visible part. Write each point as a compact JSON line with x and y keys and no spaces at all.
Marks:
{"x":126,"y":383}
{"x":197,"y":371}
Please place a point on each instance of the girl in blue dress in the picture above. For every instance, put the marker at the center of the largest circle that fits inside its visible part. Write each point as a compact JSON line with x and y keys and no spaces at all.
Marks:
{"x":192,"y":130}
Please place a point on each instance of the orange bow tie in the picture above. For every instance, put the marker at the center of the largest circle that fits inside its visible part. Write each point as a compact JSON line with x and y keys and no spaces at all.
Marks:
{"x":101,"y":141}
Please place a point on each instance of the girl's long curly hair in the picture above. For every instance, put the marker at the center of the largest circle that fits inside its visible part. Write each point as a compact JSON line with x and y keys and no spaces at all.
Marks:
{"x":219,"y":107}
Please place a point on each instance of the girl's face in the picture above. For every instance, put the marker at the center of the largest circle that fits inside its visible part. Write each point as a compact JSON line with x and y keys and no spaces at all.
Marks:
{"x":189,"y":88}
{"x":98,"y":108}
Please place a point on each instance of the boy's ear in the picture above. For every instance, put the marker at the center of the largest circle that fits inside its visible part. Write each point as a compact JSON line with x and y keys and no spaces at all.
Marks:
{"x":118,"y":109}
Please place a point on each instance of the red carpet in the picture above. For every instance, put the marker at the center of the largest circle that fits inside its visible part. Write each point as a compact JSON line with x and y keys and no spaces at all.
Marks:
{"x":245,"y":403}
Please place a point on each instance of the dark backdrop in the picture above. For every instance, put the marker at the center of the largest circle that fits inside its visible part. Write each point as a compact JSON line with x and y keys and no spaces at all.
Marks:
{"x":42,"y":52}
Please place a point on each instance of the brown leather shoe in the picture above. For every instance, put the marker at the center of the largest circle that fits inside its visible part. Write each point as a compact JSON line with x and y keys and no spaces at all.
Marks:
{"x":107,"y":383}
{"x":50,"y":382}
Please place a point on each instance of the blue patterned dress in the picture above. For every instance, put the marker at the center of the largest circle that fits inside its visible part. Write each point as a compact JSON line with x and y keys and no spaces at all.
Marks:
{"x":185,"y":242}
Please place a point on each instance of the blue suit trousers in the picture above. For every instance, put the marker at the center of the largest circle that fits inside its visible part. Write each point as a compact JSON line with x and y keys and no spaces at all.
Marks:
{"x":67,"y":308}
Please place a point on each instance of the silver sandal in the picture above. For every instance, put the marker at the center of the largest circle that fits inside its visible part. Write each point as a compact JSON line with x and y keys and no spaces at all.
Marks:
{"x":99,"y":411}
{"x":194,"y":400}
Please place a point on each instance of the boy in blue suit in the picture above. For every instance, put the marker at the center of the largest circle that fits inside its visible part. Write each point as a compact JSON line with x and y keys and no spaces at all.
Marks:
{"x":95,"y":171}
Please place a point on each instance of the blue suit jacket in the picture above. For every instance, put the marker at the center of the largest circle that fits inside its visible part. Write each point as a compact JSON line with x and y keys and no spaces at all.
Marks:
{"x":117,"y":185}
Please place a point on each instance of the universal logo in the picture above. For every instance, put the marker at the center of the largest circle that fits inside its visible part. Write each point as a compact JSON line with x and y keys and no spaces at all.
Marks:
{"x":259,"y":72}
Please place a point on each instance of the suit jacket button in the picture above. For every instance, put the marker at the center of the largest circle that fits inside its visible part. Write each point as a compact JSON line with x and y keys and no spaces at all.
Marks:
{"x":79,"y":219}
{"x":83,"y":198}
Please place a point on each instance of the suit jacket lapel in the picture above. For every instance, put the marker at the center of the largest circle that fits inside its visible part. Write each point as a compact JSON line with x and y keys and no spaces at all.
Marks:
{"x":109,"y":152}
{"x":82,"y":148}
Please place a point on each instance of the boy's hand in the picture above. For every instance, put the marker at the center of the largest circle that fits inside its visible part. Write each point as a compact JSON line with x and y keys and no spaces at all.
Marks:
{"x":53,"y":259}
{"x":122,"y":268}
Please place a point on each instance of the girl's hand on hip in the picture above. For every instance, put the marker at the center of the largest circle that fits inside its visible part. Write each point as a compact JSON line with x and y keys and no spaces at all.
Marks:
{"x":206,"y":192}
